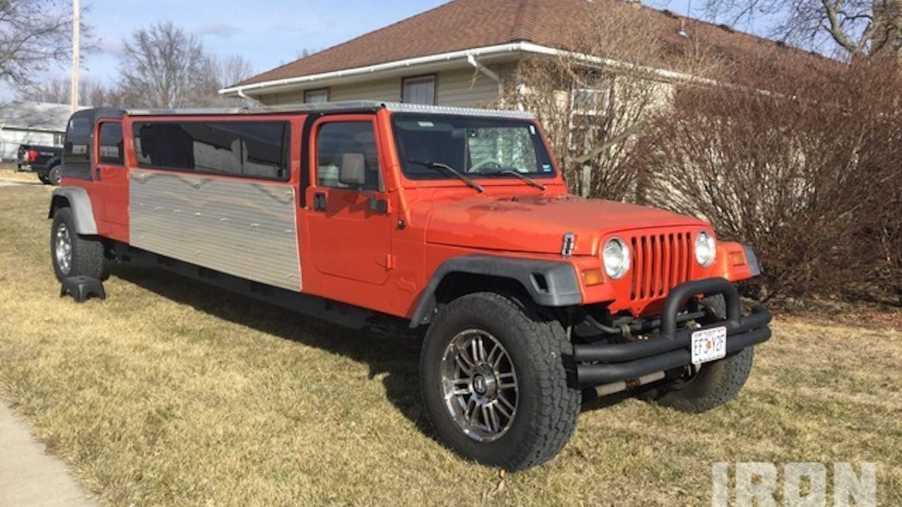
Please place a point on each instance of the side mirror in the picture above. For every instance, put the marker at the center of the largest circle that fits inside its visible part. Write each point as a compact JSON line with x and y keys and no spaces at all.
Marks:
{"x":353,"y":170}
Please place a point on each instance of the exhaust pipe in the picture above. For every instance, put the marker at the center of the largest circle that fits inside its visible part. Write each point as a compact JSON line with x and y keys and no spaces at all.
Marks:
{"x":617,"y":387}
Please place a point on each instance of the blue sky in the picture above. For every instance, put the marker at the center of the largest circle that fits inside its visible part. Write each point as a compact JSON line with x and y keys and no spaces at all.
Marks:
{"x":266,"y":32}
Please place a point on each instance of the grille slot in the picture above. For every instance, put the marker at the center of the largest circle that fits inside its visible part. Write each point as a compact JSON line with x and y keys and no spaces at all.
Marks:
{"x":660,"y":262}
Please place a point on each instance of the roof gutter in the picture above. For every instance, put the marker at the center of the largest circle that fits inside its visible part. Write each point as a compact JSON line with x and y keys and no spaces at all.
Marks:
{"x":470,"y":55}
{"x":370,"y":69}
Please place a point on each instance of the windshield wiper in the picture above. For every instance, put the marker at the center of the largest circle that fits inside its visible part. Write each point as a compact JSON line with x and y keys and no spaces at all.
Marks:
{"x":529,"y":181}
{"x":452,"y":171}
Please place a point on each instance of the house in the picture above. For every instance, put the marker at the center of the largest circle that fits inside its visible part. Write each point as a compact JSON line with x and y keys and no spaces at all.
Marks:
{"x":463,"y":53}
{"x":40,"y":123}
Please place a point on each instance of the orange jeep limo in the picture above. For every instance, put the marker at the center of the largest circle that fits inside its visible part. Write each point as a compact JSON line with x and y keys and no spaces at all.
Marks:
{"x":454,"y":221}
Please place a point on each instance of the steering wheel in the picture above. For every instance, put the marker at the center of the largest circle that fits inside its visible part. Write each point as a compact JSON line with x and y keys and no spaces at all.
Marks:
{"x":486,"y":164}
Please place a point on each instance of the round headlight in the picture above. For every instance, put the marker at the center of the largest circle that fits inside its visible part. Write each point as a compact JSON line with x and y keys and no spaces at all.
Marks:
{"x":705,"y":249}
{"x":616,"y":257}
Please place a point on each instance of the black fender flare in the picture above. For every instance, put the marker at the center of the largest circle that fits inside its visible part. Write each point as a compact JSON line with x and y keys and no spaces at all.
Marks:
{"x":549,"y":283}
{"x":79,"y":202}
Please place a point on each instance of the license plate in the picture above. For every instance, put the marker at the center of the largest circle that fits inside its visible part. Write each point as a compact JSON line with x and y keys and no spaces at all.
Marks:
{"x":709,"y":345}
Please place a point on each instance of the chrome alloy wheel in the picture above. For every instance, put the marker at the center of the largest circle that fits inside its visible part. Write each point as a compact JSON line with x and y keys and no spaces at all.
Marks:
{"x":479,"y":384}
{"x":63,"y":249}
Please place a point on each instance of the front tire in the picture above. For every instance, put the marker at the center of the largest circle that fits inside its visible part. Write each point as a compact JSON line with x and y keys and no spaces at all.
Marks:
{"x":72,"y":254}
{"x":45,"y":179}
{"x":494,"y":384}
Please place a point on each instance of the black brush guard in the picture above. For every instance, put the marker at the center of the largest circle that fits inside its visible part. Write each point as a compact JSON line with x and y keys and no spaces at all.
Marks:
{"x":600,"y":364}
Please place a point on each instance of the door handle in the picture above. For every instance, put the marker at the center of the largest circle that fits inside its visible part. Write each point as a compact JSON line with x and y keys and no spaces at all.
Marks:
{"x":319,"y":201}
{"x":97,"y":173}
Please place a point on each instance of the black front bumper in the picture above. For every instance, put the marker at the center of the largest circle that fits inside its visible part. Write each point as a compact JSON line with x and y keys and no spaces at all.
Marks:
{"x":604,"y":363}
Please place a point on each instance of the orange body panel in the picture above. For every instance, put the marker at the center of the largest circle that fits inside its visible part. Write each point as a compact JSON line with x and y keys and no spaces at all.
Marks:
{"x":383,"y":261}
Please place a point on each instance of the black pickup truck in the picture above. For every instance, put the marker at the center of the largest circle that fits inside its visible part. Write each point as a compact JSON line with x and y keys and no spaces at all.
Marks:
{"x":45,"y":161}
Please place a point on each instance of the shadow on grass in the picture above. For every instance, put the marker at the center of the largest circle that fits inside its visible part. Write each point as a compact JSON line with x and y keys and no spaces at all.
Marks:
{"x":389,"y":350}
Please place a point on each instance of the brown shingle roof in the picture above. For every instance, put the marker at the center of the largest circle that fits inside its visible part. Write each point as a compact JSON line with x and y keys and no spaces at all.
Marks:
{"x":467,"y":24}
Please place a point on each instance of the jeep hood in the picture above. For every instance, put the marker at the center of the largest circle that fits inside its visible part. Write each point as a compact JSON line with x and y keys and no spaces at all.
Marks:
{"x":537,"y":224}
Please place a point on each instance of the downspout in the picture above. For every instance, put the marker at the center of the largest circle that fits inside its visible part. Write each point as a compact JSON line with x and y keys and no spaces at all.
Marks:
{"x":246,"y":96}
{"x":489,"y":73}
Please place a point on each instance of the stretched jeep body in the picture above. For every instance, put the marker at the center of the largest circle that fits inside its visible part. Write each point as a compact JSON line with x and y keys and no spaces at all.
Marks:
{"x":455,"y":220}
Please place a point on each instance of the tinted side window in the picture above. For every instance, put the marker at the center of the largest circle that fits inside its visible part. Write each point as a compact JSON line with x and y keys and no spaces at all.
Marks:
{"x":249,"y":149}
{"x":347,"y":143}
{"x":111,"y":144}
{"x":78,"y":139}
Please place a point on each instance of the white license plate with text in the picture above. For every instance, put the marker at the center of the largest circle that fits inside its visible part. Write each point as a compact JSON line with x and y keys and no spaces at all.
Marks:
{"x":709,"y":345}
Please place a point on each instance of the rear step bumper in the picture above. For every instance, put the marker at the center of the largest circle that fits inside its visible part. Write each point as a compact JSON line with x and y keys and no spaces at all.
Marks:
{"x":600,"y":364}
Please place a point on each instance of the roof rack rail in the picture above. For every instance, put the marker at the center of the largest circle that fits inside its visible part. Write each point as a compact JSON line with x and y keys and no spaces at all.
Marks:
{"x":335,"y":107}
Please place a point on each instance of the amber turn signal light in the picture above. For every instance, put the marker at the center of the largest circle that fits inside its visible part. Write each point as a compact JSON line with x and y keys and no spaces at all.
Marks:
{"x":737,"y":259}
{"x":593,"y":277}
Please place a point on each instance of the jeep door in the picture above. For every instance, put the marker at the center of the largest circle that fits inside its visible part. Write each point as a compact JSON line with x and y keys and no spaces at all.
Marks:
{"x":111,"y":179}
{"x":349,"y":224}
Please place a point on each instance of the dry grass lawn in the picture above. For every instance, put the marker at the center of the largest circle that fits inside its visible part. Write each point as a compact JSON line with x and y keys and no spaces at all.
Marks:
{"x":8,"y":173}
{"x":170,"y":393}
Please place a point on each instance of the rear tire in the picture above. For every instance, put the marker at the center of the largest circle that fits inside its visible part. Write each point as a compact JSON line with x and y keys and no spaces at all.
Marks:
{"x":72,"y":254}
{"x":55,"y":175}
{"x":543,"y":408}
{"x":44,"y":179}
{"x":714,"y":385}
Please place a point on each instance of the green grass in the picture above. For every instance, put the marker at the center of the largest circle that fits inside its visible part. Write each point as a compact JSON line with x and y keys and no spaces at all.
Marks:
{"x":171,"y":393}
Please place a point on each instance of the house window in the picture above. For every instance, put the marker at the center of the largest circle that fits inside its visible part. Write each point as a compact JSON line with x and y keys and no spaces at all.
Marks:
{"x":58,"y":138}
{"x":418,"y":90}
{"x":592,"y":101}
{"x":318,"y":96}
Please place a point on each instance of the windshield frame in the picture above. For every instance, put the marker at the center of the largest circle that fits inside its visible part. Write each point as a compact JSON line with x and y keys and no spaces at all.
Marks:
{"x":542,"y":151}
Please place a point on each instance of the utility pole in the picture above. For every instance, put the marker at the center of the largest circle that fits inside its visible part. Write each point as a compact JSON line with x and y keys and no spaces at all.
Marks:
{"x":76,"y":58}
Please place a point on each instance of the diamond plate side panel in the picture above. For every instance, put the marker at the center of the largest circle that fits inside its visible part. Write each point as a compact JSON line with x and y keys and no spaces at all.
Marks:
{"x":246,"y":229}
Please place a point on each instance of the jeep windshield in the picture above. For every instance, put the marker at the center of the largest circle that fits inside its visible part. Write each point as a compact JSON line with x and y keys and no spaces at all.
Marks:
{"x":474,"y":147}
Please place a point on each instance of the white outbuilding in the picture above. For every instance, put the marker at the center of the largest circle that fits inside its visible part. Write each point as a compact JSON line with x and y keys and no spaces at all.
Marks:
{"x":40,"y":123}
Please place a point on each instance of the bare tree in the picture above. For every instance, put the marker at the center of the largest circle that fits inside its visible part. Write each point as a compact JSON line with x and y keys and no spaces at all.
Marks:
{"x":56,"y":90}
{"x":231,"y":70}
{"x":593,"y":109}
{"x":858,"y":27}
{"x":33,"y":35}
{"x":164,"y":66}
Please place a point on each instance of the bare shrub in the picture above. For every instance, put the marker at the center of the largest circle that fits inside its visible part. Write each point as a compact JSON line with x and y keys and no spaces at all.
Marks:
{"x":808,"y":172}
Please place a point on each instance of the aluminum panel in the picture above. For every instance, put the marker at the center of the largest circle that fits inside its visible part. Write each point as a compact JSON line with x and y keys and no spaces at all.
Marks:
{"x":246,"y":229}
{"x":338,"y":107}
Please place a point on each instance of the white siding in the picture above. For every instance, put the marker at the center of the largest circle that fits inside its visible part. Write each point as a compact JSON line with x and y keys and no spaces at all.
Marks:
{"x":386,"y":89}
{"x":466,"y":88}
{"x":463,"y":87}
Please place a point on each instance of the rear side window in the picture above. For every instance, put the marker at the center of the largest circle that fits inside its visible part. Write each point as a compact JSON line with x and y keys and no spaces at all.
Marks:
{"x":111,"y":144}
{"x":347,"y":143}
{"x":248,"y":149}
{"x":78,"y":140}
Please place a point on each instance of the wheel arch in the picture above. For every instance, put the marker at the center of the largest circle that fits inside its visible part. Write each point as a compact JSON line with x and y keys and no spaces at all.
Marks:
{"x":76,"y":199}
{"x":545,"y":283}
